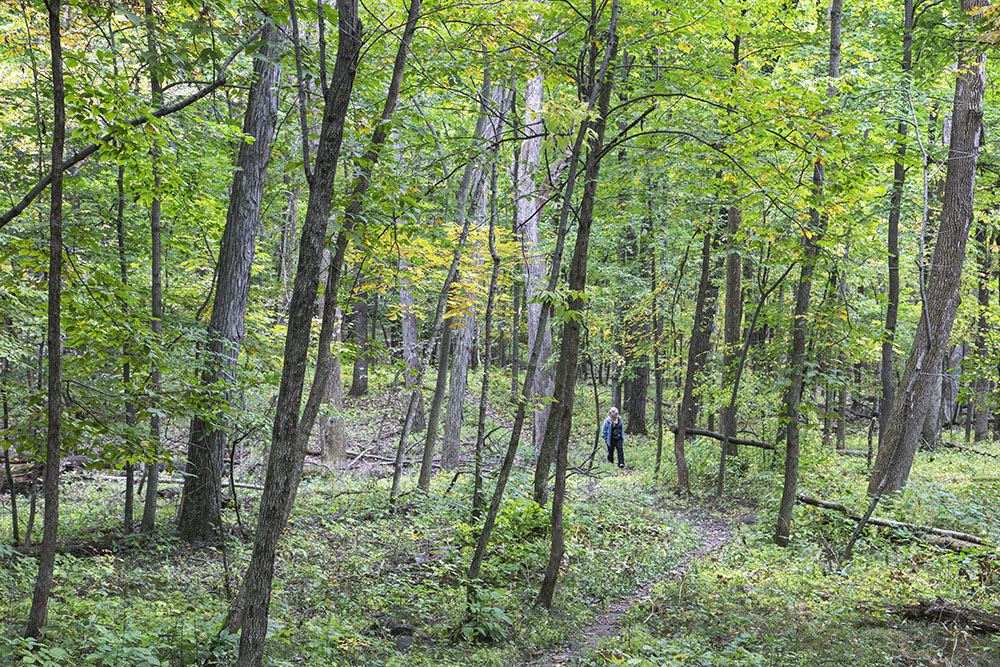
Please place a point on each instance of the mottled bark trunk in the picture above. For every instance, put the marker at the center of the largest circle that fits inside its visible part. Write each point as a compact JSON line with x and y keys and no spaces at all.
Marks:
{"x":497,"y":107}
{"x":201,"y":503}
{"x":531,"y":198}
{"x":733,"y":320}
{"x":981,"y":384}
{"x":131,"y":416}
{"x":359,"y":373}
{"x":411,"y":345}
{"x":941,"y":291}
{"x":698,"y":348}
{"x":284,"y":466}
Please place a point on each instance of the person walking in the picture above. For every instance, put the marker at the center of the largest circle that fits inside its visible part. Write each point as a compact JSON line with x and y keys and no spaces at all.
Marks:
{"x":613,"y":432}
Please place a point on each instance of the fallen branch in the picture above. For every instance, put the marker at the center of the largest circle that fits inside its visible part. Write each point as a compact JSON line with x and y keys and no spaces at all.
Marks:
{"x":172,"y":480}
{"x":720,"y":436}
{"x":887,"y":523}
{"x":962,"y":448}
{"x":941,"y":611}
{"x":852,"y":452}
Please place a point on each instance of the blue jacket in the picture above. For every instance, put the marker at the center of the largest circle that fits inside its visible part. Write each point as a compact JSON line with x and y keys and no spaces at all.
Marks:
{"x":606,"y":430}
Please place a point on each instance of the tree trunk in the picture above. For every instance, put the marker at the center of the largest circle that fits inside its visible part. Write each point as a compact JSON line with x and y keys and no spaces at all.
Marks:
{"x":561,"y":417}
{"x":535,"y":353}
{"x":477,"y":493}
{"x":733,"y":320}
{"x":701,"y":340}
{"x":451,"y":441}
{"x":434,"y":416}
{"x":359,"y":374}
{"x":130,"y":411}
{"x":156,"y":291}
{"x":941,"y":292}
{"x":531,"y":198}
{"x":332,"y":429}
{"x":284,"y":465}
{"x":981,"y":383}
{"x":200,"y":517}
{"x":493,"y":130}
{"x":411,"y":344}
{"x":50,"y":485}
{"x":892,"y":249}
{"x":817,"y":220}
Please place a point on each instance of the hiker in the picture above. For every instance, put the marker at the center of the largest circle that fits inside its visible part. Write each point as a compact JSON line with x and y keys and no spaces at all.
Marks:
{"x":613,"y":432}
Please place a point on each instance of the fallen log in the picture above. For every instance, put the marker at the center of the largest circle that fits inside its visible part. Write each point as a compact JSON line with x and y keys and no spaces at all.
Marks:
{"x":173,"y":480}
{"x":963,"y":448}
{"x":887,"y":523}
{"x":852,"y":452}
{"x":941,"y":611}
{"x":719,"y":436}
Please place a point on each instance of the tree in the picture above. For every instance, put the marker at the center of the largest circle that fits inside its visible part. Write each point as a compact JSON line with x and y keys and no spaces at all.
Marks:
{"x":940,"y":290}
{"x":284,"y":467}
{"x":199,"y":518}
{"x":53,"y":441}
{"x":811,"y":237}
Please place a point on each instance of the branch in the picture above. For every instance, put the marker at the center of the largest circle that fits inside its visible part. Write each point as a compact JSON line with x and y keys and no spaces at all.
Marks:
{"x":81,"y":155}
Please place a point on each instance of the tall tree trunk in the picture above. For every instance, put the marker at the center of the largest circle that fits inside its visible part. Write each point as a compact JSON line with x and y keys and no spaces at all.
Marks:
{"x":561,"y":417}
{"x":411,"y":343}
{"x":525,"y":398}
{"x":477,"y":499}
{"x":284,"y":465}
{"x":892,"y":249}
{"x":156,"y":291}
{"x":50,"y":485}
{"x":635,"y":380}
{"x":981,"y":384}
{"x":940,"y":294}
{"x":130,"y":411}
{"x":332,"y":428}
{"x":201,"y":501}
{"x":461,"y":200}
{"x":359,"y":374}
{"x":451,"y":440}
{"x":701,"y":341}
{"x":733,"y":319}
{"x":497,"y":107}
{"x":797,"y":357}
{"x":531,"y":198}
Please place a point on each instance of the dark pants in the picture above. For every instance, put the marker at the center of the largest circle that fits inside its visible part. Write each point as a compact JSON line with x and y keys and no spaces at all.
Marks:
{"x":616,"y":444}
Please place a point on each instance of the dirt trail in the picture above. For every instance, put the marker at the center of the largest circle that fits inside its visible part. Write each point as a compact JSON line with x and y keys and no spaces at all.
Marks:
{"x":714,"y":534}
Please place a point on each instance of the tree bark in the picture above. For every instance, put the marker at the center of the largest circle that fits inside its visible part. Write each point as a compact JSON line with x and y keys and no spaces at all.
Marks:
{"x":892,"y":239}
{"x":411,"y":343}
{"x":156,"y":291}
{"x":941,"y":292}
{"x":981,"y":384}
{"x":701,"y":340}
{"x":531,"y":198}
{"x":817,"y":228}
{"x":200,"y":517}
{"x":130,"y":411}
{"x":38,"y":614}
{"x":561,"y":417}
{"x":284,"y":466}
{"x":359,"y":373}
{"x":451,"y":443}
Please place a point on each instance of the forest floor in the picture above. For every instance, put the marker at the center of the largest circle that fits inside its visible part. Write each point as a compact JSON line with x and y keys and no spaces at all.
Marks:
{"x":712,"y":534}
{"x":648,"y":578}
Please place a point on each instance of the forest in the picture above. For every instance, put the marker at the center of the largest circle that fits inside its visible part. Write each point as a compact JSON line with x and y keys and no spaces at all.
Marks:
{"x":499,"y":332}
